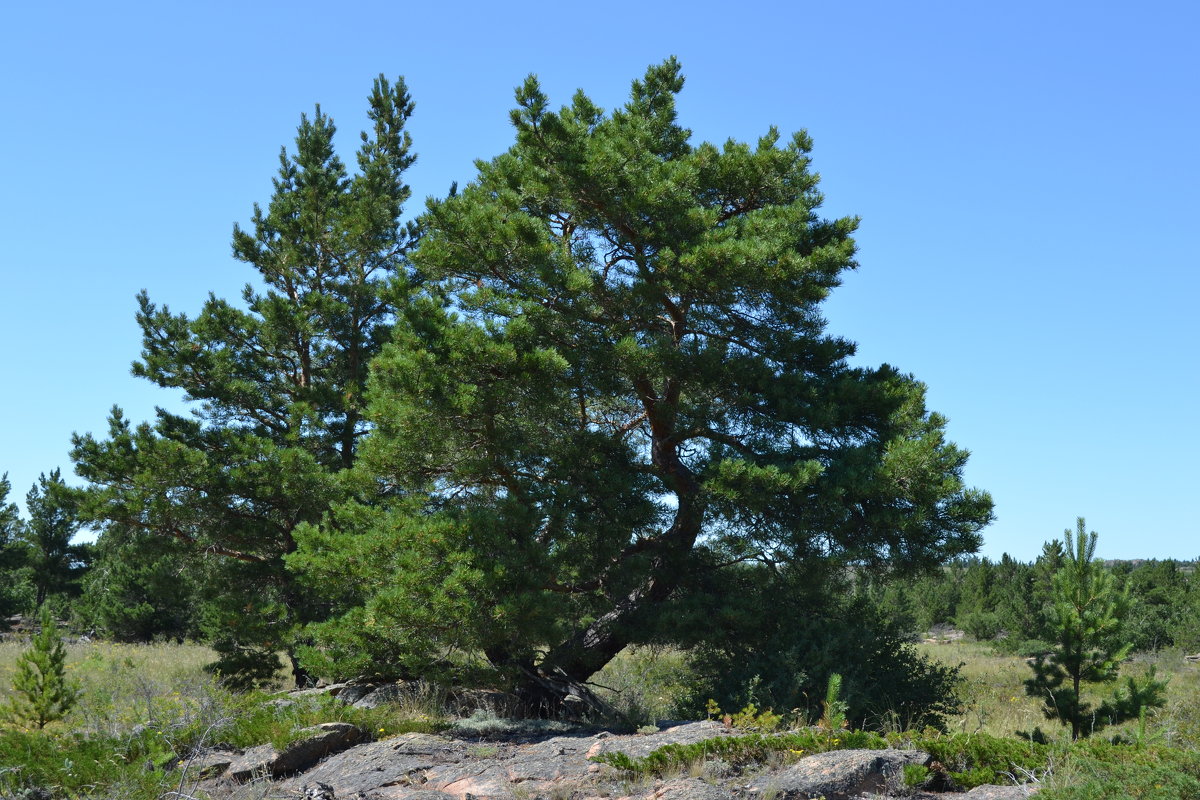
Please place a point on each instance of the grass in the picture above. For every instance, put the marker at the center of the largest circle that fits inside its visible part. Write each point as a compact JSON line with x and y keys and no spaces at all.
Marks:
{"x":994,"y":699}
{"x":1156,"y":759}
{"x":146,"y":708}
{"x":646,"y":683}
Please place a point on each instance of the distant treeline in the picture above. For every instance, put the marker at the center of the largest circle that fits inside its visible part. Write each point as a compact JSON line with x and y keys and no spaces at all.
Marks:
{"x":1006,"y":600}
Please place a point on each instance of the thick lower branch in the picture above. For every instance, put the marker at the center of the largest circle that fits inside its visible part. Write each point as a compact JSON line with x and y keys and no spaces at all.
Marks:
{"x":183,"y":536}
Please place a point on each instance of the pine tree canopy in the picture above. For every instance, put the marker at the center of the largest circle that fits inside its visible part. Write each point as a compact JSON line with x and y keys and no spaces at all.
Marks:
{"x":616,"y":385}
{"x":54,"y":562}
{"x":278,"y":380}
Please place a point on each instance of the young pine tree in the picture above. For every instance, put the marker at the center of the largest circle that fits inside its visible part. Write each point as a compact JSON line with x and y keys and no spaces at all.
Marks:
{"x":56,"y":564}
{"x":41,"y":692}
{"x":1086,"y":621}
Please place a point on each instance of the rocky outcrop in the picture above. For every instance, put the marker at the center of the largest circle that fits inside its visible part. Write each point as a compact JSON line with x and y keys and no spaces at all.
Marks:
{"x":400,"y":762}
{"x":840,"y":775}
{"x":999,"y":793}
{"x":419,"y":766}
{"x":265,"y":761}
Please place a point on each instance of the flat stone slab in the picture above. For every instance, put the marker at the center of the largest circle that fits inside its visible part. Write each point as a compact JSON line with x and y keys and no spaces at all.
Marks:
{"x":690,"y":789}
{"x":420,"y":766}
{"x":402,"y":761}
{"x":999,"y":793}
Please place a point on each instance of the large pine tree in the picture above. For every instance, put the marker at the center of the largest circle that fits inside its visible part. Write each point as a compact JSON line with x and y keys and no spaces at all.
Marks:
{"x":620,"y":385}
{"x":277,"y":383}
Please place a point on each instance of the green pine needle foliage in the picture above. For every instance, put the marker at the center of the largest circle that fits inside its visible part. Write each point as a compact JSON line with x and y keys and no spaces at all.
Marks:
{"x":41,"y":691}
{"x":833,"y":717}
{"x":1087,"y":623}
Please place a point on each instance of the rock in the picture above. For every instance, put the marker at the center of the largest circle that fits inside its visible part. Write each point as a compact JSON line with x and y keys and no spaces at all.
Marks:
{"x":689,"y":789}
{"x":395,"y":765}
{"x":999,"y":793}
{"x":839,"y":774}
{"x":321,"y":740}
{"x":560,"y":758}
{"x":642,"y":745}
{"x":557,"y":766}
{"x":427,"y":767}
{"x":352,"y":693}
{"x":253,"y":763}
{"x":210,"y":764}
{"x":388,"y":693}
{"x":316,"y":691}
{"x":479,"y":782}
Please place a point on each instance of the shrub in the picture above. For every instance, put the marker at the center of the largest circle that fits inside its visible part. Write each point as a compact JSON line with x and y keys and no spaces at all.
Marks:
{"x":784,"y":660}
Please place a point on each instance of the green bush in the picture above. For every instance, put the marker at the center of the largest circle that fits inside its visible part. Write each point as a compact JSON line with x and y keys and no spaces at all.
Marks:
{"x":783,"y":660}
{"x":75,"y":765}
{"x":976,"y":759}
{"x":141,"y":587}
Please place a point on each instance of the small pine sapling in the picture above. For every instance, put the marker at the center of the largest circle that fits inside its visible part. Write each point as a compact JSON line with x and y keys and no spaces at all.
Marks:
{"x":833,"y":716}
{"x":1090,"y":642}
{"x":41,"y":692}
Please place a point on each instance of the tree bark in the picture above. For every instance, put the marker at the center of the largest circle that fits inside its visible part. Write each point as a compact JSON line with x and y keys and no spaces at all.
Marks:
{"x":568,"y":666}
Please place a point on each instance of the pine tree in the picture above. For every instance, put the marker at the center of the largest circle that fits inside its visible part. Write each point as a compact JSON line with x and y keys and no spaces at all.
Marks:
{"x":10,"y":515}
{"x":1086,"y":621}
{"x":618,"y":380}
{"x":12,"y":581}
{"x":142,"y":587}
{"x":278,"y":384}
{"x":55,"y":562}
{"x":41,"y":692}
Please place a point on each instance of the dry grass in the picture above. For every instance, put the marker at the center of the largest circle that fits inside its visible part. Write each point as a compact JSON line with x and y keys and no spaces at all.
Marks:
{"x":646,"y":683}
{"x":994,"y":699}
{"x":125,"y":685}
{"x":164,"y":660}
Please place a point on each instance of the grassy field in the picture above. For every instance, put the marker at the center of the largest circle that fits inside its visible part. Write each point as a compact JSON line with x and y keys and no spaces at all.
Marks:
{"x":144,"y":705}
{"x":129,"y":684}
{"x":144,"y":708}
{"x":994,"y":699}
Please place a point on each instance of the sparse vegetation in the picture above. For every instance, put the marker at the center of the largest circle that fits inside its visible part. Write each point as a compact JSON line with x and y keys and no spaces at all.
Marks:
{"x":150,"y":705}
{"x":142,"y":709}
{"x":568,"y":434}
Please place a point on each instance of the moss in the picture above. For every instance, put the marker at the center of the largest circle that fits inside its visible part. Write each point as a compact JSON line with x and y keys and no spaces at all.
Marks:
{"x":743,"y":749}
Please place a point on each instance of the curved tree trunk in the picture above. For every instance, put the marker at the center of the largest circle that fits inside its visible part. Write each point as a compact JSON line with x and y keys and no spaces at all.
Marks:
{"x":563,"y":672}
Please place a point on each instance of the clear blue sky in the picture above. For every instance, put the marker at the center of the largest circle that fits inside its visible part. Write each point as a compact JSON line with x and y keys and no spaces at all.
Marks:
{"x":1028,"y":175}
